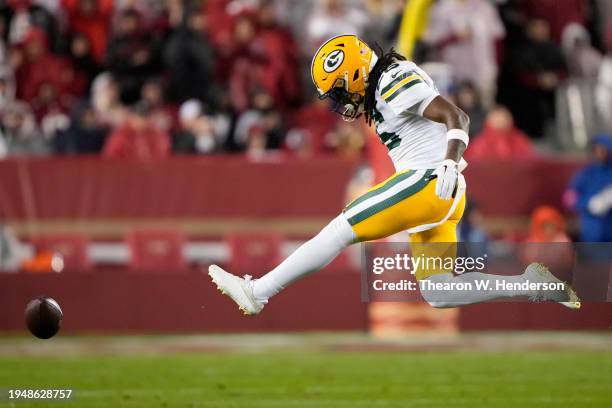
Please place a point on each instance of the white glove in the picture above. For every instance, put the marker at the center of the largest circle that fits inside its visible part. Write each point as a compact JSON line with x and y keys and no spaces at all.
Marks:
{"x":600,"y":203}
{"x":447,"y":175}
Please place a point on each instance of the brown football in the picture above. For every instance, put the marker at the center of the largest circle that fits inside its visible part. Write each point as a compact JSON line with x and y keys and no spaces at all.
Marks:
{"x":43,"y":317}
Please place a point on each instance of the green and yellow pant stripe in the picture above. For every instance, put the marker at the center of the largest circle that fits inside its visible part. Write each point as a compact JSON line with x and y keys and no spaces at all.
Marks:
{"x":403,"y":201}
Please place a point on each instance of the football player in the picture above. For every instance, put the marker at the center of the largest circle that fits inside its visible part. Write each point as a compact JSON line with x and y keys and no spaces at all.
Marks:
{"x":426,"y":136}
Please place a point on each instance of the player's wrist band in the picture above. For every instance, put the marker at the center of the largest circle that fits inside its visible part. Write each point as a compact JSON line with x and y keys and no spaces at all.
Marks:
{"x":458,"y":134}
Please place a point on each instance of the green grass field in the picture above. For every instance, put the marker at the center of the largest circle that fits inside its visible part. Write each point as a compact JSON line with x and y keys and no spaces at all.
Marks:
{"x":320,"y":378}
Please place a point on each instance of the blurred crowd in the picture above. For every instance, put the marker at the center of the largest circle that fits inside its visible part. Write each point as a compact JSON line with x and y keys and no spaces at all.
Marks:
{"x":152,"y":78}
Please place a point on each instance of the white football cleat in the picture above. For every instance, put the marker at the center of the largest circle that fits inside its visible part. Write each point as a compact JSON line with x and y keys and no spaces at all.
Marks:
{"x":537,"y":272}
{"x":240,"y":290}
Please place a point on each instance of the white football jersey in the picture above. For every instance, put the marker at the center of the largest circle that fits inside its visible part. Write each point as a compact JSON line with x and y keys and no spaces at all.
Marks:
{"x":414,"y":142}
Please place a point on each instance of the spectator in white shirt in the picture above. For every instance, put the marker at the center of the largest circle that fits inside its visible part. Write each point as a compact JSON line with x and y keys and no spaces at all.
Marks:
{"x":465,"y":33}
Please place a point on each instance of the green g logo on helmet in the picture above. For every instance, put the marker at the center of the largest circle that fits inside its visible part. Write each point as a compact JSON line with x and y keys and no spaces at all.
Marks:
{"x":333,"y":61}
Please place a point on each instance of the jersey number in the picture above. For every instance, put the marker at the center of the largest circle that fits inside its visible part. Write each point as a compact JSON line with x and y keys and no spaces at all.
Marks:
{"x":391,"y":140}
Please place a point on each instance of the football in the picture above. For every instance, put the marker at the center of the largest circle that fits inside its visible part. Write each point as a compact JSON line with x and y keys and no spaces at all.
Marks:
{"x":43,"y":317}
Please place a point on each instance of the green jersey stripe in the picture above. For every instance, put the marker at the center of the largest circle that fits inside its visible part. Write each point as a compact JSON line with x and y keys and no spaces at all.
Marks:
{"x":402,"y":89}
{"x":395,"y":81}
{"x":391,"y":201}
{"x":380,"y":189}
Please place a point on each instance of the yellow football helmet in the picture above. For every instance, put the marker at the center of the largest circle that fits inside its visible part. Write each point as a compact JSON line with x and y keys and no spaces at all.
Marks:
{"x":340,"y":70}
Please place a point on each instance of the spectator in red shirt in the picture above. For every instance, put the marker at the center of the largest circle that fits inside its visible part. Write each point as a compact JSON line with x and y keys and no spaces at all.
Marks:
{"x":92,"y":19}
{"x":264,"y":58}
{"x":43,"y":79}
{"x":136,"y":138}
{"x":282,"y":55}
{"x":220,"y":23}
{"x":500,"y":139}
{"x":38,"y":68}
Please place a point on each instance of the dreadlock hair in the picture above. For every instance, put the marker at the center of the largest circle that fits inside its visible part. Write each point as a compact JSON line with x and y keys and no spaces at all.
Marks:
{"x":384,"y":60}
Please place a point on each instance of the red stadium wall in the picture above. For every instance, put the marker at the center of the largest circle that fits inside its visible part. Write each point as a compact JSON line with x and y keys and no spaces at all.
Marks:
{"x":515,"y":188}
{"x":210,"y":196}
{"x":84,"y":188}
{"x":122,"y":301}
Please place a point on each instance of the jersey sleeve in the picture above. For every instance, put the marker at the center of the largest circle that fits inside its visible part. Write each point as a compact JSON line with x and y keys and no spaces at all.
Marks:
{"x":404,"y":89}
